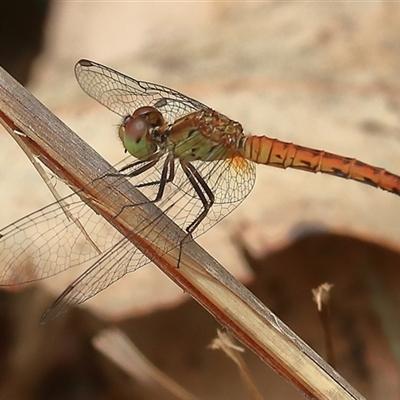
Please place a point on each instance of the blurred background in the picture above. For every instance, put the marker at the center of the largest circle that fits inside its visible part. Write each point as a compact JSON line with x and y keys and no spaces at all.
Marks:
{"x":323,"y":75}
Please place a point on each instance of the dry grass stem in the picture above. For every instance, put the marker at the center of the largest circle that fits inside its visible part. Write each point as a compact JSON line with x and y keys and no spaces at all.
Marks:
{"x":225,"y":343}
{"x":237,"y":309}
{"x":115,"y":345}
{"x":322,"y":297}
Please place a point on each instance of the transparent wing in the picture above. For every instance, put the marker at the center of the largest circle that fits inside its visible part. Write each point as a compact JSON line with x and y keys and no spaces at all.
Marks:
{"x":45,"y":242}
{"x":119,"y":260}
{"x":182,"y":205}
{"x":48,"y":242}
{"x":112,"y":266}
{"x":123,"y":95}
{"x":229,"y":179}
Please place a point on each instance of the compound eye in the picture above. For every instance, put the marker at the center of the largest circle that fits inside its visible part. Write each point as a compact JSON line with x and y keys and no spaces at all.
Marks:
{"x":135,"y":128}
{"x":153,"y":117}
{"x":135,"y":136}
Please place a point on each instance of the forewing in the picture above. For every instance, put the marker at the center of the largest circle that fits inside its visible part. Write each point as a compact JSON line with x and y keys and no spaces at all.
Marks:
{"x":48,"y":241}
{"x":52,"y":243}
{"x":123,"y":95}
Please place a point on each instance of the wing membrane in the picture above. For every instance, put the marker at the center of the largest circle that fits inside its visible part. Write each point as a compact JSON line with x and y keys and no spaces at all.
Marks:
{"x":123,"y":94}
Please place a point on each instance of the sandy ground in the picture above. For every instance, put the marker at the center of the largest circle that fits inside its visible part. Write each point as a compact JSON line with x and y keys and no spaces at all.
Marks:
{"x":323,"y":75}
{"x":312,"y":74}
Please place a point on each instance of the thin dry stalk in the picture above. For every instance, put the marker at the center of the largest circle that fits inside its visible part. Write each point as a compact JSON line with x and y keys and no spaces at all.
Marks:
{"x":322,"y":297}
{"x":77,"y":164}
{"x":115,"y":345}
{"x":224,"y":342}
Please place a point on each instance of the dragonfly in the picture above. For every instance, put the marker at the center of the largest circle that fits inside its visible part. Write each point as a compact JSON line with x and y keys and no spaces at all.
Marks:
{"x":196,"y":164}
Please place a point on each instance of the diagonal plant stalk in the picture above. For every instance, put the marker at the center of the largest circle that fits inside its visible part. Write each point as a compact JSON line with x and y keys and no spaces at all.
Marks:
{"x":234,"y":307}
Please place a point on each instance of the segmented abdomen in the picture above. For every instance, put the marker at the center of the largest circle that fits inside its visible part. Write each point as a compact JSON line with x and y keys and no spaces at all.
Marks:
{"x":264,"y":150}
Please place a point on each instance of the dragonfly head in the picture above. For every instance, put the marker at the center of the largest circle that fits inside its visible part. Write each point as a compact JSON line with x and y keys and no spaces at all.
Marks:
{"x":136,"y":131}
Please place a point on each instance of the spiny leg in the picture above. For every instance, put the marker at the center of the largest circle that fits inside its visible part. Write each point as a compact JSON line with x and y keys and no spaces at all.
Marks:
{"x":167,"y":176}
{"x":164,"y":179}
{"x":198,"y":183}
{"x":148,"y":163}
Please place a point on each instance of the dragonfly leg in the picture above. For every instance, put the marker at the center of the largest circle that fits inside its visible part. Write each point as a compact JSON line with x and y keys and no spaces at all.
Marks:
{"x":198,"y":183}
{"x":167,"y":175}
{"x":163,"y":180}
{"x":148,"y":163}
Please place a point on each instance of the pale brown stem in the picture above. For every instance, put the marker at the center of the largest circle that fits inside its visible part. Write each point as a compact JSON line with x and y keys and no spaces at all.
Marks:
{"x":199,"y":274}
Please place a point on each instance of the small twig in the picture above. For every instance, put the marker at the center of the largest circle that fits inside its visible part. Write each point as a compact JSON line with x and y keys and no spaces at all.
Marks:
{"x":237,"y":309}
{"x":115,"y":345}
{"x":322,"y":296}
{"x":224,"y":342}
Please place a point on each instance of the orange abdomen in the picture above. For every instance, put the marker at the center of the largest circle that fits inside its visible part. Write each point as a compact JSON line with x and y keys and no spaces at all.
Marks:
{"x":264,"y":150}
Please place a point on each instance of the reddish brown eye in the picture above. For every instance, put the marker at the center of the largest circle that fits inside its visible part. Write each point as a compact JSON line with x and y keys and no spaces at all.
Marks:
{"x":135,"y":128}
{"x":151,"y":114}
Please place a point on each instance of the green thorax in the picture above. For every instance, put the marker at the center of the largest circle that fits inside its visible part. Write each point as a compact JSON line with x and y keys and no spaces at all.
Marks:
{"x":204,"y":135}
